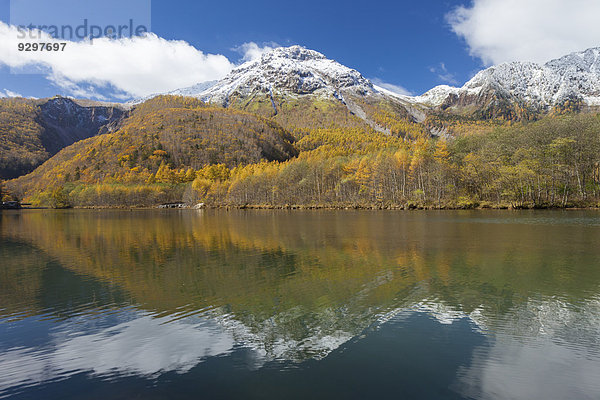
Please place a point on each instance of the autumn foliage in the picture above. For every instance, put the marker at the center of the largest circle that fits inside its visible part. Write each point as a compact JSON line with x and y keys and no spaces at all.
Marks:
{"x":179,"y":149}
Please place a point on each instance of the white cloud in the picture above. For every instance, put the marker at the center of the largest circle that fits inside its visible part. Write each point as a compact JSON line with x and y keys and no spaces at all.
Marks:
{"x":535,"y":341}
{"x":443,"y":74}
{"x":8,"y":93}
{"x":251,"y":51}
{"x":391,"y":87}
{"x":498,"y":31}
{"x":137,"y":66}
{"x":145,"y":346}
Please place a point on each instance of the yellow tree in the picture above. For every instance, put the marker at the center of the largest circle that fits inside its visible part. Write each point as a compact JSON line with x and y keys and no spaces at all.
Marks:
{"x":363,"y":175}
{"x":418,"y":163}
{"x":441,"y":155}
{"x":164,"y":174}
{"x":2,"y":193}
{"x":403,"y":161}
{"x":190,"y":175}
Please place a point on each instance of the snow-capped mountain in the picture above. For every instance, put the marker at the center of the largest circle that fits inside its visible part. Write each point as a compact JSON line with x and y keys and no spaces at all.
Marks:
{"x":512,"y":90}
{"x":572,"y":77}
{"x":291,"y":70}
{"x":299,"y":75}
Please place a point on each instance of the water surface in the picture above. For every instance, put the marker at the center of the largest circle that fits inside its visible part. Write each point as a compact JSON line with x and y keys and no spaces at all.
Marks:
{"x":277,"y":304}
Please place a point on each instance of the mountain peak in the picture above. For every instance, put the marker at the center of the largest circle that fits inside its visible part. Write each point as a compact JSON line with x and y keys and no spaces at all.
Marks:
{"x":296,"y":52}
{"x":584,"y":61}
{"x":293,"y":70}
{"x":574,"y":76}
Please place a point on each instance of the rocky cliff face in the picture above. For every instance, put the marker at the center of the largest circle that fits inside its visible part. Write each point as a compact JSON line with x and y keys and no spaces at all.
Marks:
{"x":65,"y":122}
{"x":32,"y":131}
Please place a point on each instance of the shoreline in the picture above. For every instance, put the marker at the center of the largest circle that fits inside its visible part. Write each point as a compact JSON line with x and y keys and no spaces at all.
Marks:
{"x":321,"y":207}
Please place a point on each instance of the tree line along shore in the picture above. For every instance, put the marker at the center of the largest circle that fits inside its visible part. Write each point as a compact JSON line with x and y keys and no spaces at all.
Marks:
{"x":550,"y":163}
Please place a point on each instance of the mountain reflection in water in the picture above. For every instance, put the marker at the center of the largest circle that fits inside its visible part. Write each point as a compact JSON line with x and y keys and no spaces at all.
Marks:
{"x":424,"y":304}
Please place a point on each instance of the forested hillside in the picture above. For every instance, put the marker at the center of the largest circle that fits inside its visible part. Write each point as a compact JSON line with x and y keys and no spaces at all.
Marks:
{"x":32,"y":131}
{"x":551,"y":163}
{"x":180,"y":149}
{"x":21,"y":147}
{"x":162,"y":144}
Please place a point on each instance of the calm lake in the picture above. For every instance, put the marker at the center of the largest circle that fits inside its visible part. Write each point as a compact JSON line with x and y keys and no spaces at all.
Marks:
{"x":279,"y":305}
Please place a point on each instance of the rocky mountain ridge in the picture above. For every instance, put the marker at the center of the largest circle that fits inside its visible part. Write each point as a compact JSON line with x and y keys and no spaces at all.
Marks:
{"x":32,"y":131}
{"x":515,"y":90}
{"x":573,"y":78}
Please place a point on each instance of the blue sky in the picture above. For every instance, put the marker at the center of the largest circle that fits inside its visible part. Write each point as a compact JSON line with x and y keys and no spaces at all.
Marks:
{"x":411,"y":44}
{"x":396,"y":41}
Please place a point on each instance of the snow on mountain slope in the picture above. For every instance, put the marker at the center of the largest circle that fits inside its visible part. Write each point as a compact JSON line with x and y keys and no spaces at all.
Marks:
{"x":576,"y":75}
{"x":300,"y":73}
{"x":297,"y":72}
{"x":191,"y":91}
{"x":292,"y":71}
